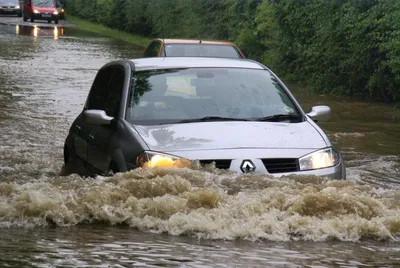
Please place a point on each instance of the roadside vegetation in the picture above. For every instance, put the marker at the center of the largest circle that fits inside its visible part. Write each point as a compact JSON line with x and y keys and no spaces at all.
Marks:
{"x":107,"y":31}
{"x":349,"y":47}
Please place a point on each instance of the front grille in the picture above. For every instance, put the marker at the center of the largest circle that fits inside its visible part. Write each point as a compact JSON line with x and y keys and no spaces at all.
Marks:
{"x":280,"y":165}
{"x":219,"y":163}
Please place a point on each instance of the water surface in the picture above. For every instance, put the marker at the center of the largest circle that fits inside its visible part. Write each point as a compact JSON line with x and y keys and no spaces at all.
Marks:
{"x":185,"y":217}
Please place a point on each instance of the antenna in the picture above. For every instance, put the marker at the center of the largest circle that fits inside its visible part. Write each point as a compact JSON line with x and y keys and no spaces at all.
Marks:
{"x":162,"y":35}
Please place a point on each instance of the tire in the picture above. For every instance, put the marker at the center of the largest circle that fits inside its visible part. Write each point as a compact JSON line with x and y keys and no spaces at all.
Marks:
{"x":25,"y":19}
{"x":32,"y":20}
{"x":68,"y":167}
{"x":56,"y":21}
{"x":113,"y":168}
{"x":66,"y":154}
{"x":49,"y":21}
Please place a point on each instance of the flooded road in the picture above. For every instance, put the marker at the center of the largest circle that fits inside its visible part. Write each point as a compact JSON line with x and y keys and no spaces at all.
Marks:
{"x":178,"y":218}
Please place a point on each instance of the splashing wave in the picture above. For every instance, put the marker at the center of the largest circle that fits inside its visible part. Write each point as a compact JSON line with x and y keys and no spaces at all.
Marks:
{"x":208,"y":204}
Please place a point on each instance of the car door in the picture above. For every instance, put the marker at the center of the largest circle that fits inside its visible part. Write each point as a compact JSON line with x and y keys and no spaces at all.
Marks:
{"x":99,"y":152}
{"x":80,"y":134}
{"x":80,"y":128}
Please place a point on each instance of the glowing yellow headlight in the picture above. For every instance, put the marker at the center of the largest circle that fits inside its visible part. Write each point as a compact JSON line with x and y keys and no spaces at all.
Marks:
{"x":160,"y":161}
{"x":328,"y":157}
{"x":153,"y":159}
{"x":36,"y":11}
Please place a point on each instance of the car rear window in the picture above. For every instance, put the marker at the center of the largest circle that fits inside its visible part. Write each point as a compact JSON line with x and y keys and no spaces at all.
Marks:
{"x":201,"y":50}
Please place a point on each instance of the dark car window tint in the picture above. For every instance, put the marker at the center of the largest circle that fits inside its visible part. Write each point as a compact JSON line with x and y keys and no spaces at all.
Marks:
{"x":152,"y":49}
{"x":113,"y":94}
{"x":99,"y":87}
{"x":201,"y":50}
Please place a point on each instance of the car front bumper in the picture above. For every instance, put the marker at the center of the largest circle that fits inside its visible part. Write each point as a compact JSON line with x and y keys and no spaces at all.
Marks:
{"x":235,"y":162}
{"x":8,"y":10}
{"x":337,"y":172}
{"x":45,"y":16}
{"x":237,"y":158}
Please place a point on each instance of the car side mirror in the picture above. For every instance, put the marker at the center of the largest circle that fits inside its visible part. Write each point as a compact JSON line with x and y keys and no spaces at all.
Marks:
{"x":320,"y":113}
{"x":97,"y":117}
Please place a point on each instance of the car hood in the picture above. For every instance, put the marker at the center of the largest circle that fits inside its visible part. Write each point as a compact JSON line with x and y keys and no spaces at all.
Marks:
{"x":2,"y":3}
{"x":229,"y":135}
{"x":46,"y":9}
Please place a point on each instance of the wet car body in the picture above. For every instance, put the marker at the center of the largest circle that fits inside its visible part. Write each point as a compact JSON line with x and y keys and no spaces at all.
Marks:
{"x":40,"y":10}
{"x":120,"y":132}
{"x":160,"y":47}
{"x":61,"y":10}
{"x":10,"y":7}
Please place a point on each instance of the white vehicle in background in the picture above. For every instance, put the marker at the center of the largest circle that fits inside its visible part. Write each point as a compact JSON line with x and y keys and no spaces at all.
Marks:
{"x":11,"y":7}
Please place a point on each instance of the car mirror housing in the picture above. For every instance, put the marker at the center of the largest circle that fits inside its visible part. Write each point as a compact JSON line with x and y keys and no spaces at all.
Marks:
{"x":320,"y":113}
{"x":97,"y":117}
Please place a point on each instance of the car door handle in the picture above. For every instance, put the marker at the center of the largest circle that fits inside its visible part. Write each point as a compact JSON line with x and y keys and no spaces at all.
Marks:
{"x":91,"y":136}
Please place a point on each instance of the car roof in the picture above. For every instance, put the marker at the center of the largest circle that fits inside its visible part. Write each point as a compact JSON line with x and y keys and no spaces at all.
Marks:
{"x":143,"y":64}
{"x":195,"y":41}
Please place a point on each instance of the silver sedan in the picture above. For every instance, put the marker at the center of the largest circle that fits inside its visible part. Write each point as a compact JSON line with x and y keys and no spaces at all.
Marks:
{"x":235,"y":113}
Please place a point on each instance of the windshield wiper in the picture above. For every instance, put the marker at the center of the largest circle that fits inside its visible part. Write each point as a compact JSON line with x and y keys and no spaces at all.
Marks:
{"x":279,"y":117}
{"x":213,"y":119}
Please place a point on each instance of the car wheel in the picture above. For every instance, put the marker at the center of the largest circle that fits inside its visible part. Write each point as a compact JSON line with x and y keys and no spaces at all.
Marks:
{"x":25,"y":19}
{"x":67,"y":156}
{"x":49,"y":21}
{"x":32,"y":20}
{"x":68,"y":168}
{"x":113,"y":168}
{"x":56,"y":21}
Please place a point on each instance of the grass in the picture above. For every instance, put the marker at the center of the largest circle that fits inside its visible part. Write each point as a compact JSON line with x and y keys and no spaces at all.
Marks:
{"x":103,"y":30}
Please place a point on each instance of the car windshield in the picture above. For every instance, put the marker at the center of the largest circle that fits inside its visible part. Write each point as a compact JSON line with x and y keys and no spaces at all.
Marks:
{"x":43,"y":3}
{"x":182,"y":95}
{"x":200,"y":50}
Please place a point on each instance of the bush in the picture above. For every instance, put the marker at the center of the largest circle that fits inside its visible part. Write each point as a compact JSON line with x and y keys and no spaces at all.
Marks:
{"x":347,"y":47}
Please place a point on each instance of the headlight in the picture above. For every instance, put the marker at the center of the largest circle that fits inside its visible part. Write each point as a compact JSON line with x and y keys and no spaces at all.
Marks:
{"x":55,"y":12}
{"x":17,"y":6}
{"x":325,"y":158}
{"x":62,"y":10}
{"x":153,"y":159}
{"x":36,"y":11}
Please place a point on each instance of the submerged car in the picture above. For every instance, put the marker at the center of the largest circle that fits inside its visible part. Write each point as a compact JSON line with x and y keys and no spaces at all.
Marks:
{"x":234,"y":113}
{"x":192,"y":48}
{"x":10,"y":7}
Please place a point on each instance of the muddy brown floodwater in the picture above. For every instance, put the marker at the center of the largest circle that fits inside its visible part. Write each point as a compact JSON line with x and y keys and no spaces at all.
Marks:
{"x":179,"y":217}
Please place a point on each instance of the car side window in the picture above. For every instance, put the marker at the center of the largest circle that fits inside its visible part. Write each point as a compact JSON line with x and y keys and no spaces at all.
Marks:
{"x":153,"y":49}
{"x":99,"y":87}
{"x":113,"y":94}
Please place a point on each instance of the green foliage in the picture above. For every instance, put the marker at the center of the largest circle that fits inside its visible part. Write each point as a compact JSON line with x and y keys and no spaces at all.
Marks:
{"x":347,"y":47}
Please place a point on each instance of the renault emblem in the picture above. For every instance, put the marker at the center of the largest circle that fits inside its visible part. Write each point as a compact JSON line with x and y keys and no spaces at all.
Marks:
{"x":247,"y":166}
